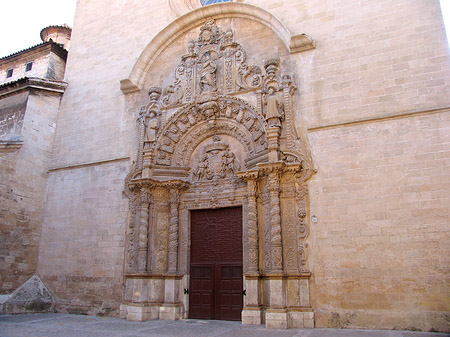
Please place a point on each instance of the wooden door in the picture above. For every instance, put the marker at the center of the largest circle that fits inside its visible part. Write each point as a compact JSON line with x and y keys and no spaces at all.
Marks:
{"x":215,"y":290}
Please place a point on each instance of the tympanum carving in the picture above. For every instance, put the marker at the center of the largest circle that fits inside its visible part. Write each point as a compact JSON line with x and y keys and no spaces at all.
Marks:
{"x":217,"y":162}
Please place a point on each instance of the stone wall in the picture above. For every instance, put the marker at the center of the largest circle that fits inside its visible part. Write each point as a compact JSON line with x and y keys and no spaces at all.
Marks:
{"x":380,"y":246}
{"x":46,"y":64}
{"x":12,"y":113}
{"x":372,"y":102}
{"x":81,"y":252}
{"x":23,"y":180}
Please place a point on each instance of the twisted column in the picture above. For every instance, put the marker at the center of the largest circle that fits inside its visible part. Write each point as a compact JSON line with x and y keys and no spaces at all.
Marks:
{"x":144,"y":204}
{"x":252,"y":223}
{"x":174,"y":201}
{"x":275,"y":221}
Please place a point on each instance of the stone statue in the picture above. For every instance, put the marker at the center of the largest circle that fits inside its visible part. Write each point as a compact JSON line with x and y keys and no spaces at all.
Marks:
{"x":273,"y":100}
{"x":151,"y":125}
{"x":149,"y":116}
{"x":208,"y":74}
{"x":202,"y":166}
{"x":230,"y":164}
{"x":153,"y":106}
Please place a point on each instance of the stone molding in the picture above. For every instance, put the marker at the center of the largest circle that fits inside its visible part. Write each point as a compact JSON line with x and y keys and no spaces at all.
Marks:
{"x":10,"y":145}
{"x":28,"y":83}
{"x":293,"y":42}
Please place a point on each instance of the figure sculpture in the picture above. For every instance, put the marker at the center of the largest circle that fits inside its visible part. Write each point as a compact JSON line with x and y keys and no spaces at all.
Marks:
{"x":273,"y":100}
{"x":208,"y":74}
{"x":151,"y":125}
{"x":149,"y":116}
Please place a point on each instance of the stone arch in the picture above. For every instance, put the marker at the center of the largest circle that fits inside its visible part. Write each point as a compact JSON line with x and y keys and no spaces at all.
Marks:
{"x":189,"y":126}
{"x":293,"y":43}
{"x":218,"y":137}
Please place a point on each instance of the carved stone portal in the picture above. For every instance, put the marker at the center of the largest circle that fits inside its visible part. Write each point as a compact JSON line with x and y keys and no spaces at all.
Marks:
{"x":204,"y":144}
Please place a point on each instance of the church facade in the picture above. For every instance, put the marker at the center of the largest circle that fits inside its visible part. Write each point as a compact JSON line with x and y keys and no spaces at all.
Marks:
{"x":276,"y":163}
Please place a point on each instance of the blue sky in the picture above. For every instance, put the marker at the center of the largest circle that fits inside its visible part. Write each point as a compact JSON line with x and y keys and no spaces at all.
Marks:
{"x":22,"y":20}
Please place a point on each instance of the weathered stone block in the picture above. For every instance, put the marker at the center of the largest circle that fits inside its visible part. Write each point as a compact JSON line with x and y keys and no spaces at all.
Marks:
{"x":33,"y":296}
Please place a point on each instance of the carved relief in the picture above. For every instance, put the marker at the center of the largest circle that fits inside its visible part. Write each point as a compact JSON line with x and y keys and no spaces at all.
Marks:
{"x":252,"y":221}
{"x":273,"y":185}
{"x":266,"y":235}
{"x":150,"y":116}
{"x":249,"y":77}
{"x":174,"y":199}
{"x":144,"y":203}
{"x":219,"y":114}
{"x":203,"y":147}
{"x":302,"y":227}
{"x":131,"y":235}
{"x":162,"y":237}
{"x":213,"y":56}
{"x":289,"y":235}
{"x":217,"y":162}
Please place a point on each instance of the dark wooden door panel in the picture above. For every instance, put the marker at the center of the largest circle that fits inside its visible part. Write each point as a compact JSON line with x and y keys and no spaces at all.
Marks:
{"x":230,"y":302}
{"x":201,"y":304}
{"x":216,"y":264}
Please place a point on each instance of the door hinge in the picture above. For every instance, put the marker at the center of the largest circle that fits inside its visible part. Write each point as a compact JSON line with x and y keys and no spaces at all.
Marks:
{"x":244,"y":292}
{"x":186,"y":291}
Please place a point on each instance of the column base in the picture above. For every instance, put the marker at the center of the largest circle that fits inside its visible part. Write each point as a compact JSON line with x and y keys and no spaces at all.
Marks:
{"x":277,"y":319}
{"x":171,"y":312}
{"x":139,"y":312}
{"x":252,"y":316}
{"x":301,"y":319}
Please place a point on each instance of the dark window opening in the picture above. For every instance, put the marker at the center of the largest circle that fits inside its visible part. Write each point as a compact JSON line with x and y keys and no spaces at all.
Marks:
{"x":28,"y":66}
{"x":210,"y":2}
{"x":9,"y":73}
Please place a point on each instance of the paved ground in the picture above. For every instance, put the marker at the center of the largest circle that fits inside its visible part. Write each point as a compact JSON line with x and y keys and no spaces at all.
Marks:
{"x":65,"y":325}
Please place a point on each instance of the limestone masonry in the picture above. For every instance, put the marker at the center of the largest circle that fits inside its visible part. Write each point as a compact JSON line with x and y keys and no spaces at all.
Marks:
{"x":323,"y":124}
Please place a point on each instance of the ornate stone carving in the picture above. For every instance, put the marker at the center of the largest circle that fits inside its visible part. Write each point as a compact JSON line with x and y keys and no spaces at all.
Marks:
{"x":252,"y":220}
{"x":217,"y":162}
{"x":144,"y":203}
{"x":131,"y":235}
{"x":208,"y":74}
{"x":249,"y":77}
{"x":203,"y":147}
{"x":162,"y":237}
{"x":218,"y":114}
{"x":273,"y":185}
{"x":213,"y":56}
{"x":174,"y":199}
{"x":302,"y":227}
{"x":273,"y":98}
{"x":150,"y":116}
{"x":266,"y":209}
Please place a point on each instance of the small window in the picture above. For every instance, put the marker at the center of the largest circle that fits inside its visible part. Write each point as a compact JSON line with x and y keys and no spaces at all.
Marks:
{"x":9,"y":73}
{"x":28,"y":66}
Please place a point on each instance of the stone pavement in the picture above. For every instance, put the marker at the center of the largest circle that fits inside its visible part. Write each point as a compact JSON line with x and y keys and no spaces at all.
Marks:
{"x":66,"y":325}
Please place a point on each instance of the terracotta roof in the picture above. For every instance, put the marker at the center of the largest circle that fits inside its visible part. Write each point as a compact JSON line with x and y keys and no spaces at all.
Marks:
{"x":62,"y":52}
{"x":66,"y":27}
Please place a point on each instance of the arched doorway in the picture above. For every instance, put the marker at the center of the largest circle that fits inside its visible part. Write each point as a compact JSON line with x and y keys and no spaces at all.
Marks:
{"x":206,"y":150}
